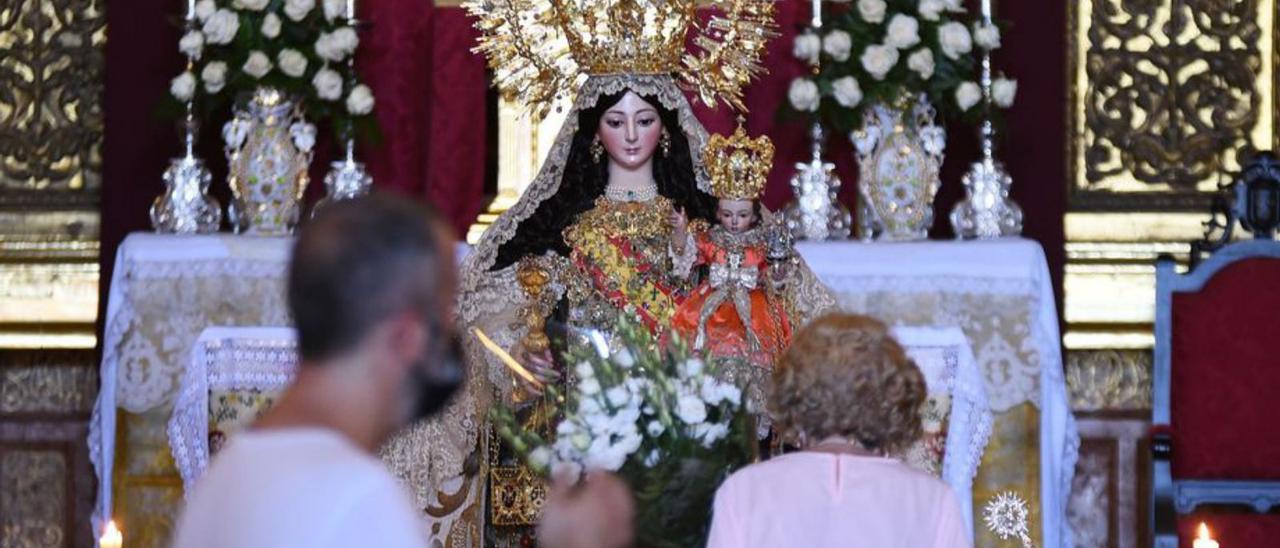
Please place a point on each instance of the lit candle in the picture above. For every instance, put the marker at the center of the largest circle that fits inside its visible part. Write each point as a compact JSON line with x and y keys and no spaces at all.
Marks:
{"x":1203,"y":540}
{"x":351,"y":9}
{"x":111,"y":537}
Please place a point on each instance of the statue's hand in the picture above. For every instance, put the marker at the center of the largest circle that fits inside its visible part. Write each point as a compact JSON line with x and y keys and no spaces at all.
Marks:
{"x":679,"y":228}
{"x":543,"y":367}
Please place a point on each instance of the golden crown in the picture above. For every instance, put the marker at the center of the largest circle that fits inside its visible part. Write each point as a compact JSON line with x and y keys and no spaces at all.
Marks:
{"x":539,"y":49}
{"x":738,"y":165}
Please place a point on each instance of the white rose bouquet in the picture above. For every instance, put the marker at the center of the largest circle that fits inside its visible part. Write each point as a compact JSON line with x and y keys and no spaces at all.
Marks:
{"x":889,"y":50}
{"x":301,"y":47}
{"x":658,"y":418}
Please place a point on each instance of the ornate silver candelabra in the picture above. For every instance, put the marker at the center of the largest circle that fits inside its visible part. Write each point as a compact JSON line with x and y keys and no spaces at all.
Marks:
{"x":347,"y":178}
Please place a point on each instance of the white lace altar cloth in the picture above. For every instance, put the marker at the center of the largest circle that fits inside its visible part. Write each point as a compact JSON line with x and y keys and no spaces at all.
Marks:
{"x":943,"y":355}
{"x":230,"y":362}
{"x":998,"y":292}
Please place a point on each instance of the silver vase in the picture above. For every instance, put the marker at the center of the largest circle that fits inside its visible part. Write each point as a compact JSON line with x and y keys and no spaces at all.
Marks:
{"x":900,"y":151}
{"x":186,"y":207}
{"x":269,"y":147}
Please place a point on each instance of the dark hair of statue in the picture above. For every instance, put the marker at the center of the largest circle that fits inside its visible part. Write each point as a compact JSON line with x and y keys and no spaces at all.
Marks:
{"x":358,"y":262}
{"x":584,"y":180}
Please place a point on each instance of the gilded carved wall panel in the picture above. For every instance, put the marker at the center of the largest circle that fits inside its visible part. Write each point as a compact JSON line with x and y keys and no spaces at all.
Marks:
{"x":33,"y":490}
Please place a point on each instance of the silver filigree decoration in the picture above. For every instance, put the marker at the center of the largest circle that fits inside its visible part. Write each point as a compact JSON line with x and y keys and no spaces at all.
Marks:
{"x":900,"y":151}
{"x":1006,"y":516}
{"x":816,"y":213}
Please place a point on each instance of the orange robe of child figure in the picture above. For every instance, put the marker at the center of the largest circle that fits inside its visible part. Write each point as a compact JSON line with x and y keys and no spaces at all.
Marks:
{"x":734,"y":312}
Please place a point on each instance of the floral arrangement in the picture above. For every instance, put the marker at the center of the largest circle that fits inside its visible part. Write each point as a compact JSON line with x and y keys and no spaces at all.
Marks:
{"x":888,"y":51}
{"x":659,"y":418}
{"x":296,"y":46}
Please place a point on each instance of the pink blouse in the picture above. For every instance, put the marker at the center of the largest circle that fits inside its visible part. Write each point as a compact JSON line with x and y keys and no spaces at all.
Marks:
{"x":814,"y":499}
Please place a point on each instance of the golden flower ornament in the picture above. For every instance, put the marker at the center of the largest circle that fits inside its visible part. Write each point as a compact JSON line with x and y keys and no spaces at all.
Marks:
{"x":738,"y":165}
{"x":541,"y":50}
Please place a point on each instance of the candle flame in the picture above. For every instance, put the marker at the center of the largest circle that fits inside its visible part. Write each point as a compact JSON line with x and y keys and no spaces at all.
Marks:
{"x":1204,"y":532}
{"x":111,"y":535}
{"x":506,"y":358}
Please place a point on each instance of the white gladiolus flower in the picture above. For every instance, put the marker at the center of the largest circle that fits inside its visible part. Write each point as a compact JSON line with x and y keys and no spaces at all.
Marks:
{"x":298,"y":9}
{"x":589,"y":387}
{"x":566,"y":471}
{"x":955,"y":5}
{"x":954,"y":39}
{"x":655,"y":429}
{"x":292,"y":62}
{"x":624,"y":359}
{"x":589,"y":406}
{"x":904,"y":32}
{"x":258,"y":65}
{"x":837,"y":44}
{"x":581,"y":441}
{"x":803,"y":95}
{"x":304,"y":135}
{"x":690,"y":409}
{"x":214,"y":76}
{"x":806,"y":47}
{"x":192,"y":44}
{"x":584,"y":370}
{"x":328,"y":84}
{"x":204,"y":9}
{"x":691,"y":367}
{"x":334,"y":8}
{"x":618,"y":396}
{"x":1002,"y":92}
{"x":221,"y":27}
{"x":967,"y":95}
{"x":271,"y":25}
{"x":878,"y":60}
{"x":253,"y":5}
{"x":652,"y":458}
{"x":986,"y":36}
{"x":872,"y":11}
{"x":183,"y":86}
{"x":566,"y":429}
{"x":931,"y":9}
{"x":610,"y":459}
{"x":360,"y":100}
{"x":540,"y":458}
{"x":921,"y":62}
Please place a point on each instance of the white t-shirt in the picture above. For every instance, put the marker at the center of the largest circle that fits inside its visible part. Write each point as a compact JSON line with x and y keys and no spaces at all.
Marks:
{"x":307,"y":487}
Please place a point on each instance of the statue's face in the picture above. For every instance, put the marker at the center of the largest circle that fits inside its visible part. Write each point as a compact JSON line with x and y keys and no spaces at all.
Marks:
{"x":630,"y":131}
{"x":736,"y":216}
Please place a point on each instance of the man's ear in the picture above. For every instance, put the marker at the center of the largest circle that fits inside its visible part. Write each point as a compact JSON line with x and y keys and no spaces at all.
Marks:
{"x":407,"y":337}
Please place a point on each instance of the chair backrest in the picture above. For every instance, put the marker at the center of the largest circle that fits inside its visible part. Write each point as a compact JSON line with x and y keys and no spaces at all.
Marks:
{"x":1217,"y":368}
{"x":234,"y":374}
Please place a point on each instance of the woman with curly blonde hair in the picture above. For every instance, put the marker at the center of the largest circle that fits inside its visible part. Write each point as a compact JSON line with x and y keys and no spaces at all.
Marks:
{"x":847,"y":391}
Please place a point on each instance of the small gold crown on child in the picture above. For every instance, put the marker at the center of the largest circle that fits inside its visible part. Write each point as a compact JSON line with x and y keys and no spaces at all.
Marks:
{"x":738,"y":165}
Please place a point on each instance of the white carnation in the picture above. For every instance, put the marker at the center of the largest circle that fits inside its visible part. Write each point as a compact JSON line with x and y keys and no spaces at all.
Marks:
{"x":589,"y":406}
{"x":931,"y":9}
{"x":292,"y":62}
{"x":204,"y":9}
{"x":1002,"y":92}
{"x":967,"y":95}
{"x":986,"y":36}
{"x":872,"y":11}
{"x":610,"y":458}
{"x":846,"y":91}
{"x":623,"y":358}
{"x":214,"y":76}
{"x":878,"y":60}
{"x":328,"y":84}
{"x":183,"y":86}
{"x":690,"y":409}
{"x":691,"y":367}
{"x":334,"y":8}
{"x":618,"y":396}
{"x":298,"y":9}
{"x":954,"y":39}
{"x":584,"y":370}
{"x":221,"y":27}
{"x":254,"y":5}
{"x":803,"y":95}
{"x":191,"y":44}
{"x":806,"y":47}
{"x":258,"y":65}
{"x":655,"y":429}
{"x":731,"y":393}
{"x":566,"y":429}
{"x":304,"y":135}
{"x":271,"y":25}
{"x":360,"y":100}
{"x":904,"y":32}
{"x":589,"y":387}
{"x":921,"y":61}
{"x":837,"y":44}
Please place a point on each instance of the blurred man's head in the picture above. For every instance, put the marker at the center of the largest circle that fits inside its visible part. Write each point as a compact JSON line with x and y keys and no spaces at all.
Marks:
{"x":371,"y":288}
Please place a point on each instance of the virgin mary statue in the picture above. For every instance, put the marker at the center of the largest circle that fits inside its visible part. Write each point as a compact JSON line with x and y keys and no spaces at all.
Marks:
{"x":590,"y":237}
